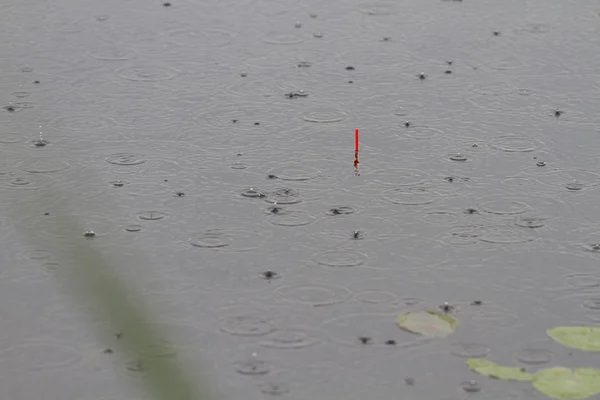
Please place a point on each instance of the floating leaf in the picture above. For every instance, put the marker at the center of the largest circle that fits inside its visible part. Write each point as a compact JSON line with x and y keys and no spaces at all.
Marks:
{"x":578,"y":337}
{"x":430,"y":324}
{"x":488,"y":368}
{"x":565,"y":383}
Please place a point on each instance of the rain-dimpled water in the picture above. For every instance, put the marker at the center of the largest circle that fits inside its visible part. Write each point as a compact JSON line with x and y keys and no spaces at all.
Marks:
{"x":208,"y":147}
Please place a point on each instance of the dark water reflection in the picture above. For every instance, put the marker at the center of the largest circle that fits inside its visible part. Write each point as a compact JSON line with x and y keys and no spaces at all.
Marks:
{"x":174,"y":135}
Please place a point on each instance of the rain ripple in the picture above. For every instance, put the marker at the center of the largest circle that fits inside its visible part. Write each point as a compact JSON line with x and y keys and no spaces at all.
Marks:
{"x":489,"y":315}
{"x":515,"y":143}
{"x":398,"y":177}
{"x":534,"y":355}
{"x":110,"y":52}
{"x":19,"y":182}
{"x":324,"y":115}
{"x":295,"y":172}
{"x":584,"y":282}
{"x":503,"y":234}
{"x":43,"y":165}
{"x":38,"y":356}
{"x":584,"y":306}
{"x":331,"y":232}
{"x":282,"y":38}
{"x":285,"y":217}
{"x":470,"y":350}
{"x":507,"y":204}
{"x":147,"y":73}
{"x":141,"y":188}
{"x":493,"y":89}
{"x":411,"y":195}
{"x":292,"y":338}
{"x":150,"y":166}
{"x":571,"y":179}
{"x":249,"y":320}
{"x":283,"y":196}
{"x":316,"y":294}
{"x":82,"y":123}
{"x":340,"y":258}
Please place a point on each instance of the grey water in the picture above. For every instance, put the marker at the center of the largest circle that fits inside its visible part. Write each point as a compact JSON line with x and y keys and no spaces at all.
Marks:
{"x":209,"y":147}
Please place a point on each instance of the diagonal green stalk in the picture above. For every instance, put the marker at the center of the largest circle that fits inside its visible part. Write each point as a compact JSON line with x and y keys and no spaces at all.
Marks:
{"x":92,"y":278}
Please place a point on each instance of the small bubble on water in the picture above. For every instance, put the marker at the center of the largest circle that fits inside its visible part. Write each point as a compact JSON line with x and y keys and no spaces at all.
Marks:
{"x":10,"y":107}
{"x":357,"y":235}
{"x":118,"y":183}
{"x":449,"y":62}
{"x":244,"y":74}
{"x":447,"y":307}
{"x":89,"y":233}
{"x":470,"y":386}
{"x":574,"y":185}
{"x":298,"y":24}
{"x":541,"y":163}
{"x":268,"y":275}
{"x":318,"y":35}
{"x":594,"y":247}
{"x":365,"y":339}
{"x":275,"y":210}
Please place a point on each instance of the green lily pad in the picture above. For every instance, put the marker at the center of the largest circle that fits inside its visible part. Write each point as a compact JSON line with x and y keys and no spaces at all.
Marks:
{"x":578,"y":337}
{"x":430,"y":324}
{"x":565,"y":383}
{"x":488,"y":368}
